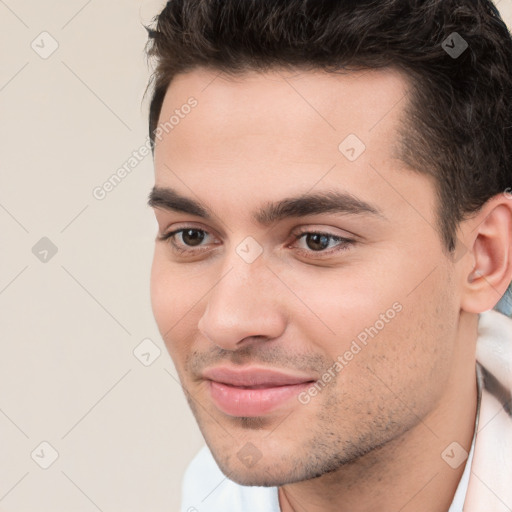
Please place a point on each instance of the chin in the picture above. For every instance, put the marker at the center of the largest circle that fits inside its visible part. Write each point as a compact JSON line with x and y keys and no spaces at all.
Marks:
{"x":259,"y":478}
{"x":264,"y":473}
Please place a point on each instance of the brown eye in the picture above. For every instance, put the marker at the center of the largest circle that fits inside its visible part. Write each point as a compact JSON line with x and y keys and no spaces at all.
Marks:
{"x":189,"y":241}
{"x":192,"y":237}
{"x":317,"y":241}
{"x":323,"y":244}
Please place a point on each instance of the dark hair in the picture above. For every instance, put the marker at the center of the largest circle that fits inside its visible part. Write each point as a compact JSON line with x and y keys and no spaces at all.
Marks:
{"x":459,"y":113}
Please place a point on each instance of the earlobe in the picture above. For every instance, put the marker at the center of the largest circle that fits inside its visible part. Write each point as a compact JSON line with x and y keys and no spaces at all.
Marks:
{"x":489,"y":240}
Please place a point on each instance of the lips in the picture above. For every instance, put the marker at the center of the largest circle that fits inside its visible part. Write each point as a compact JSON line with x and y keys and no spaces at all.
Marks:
{"x":253,"y":392}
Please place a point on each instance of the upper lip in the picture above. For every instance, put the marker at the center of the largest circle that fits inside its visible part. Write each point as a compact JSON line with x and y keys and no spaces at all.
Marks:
{"x":248,"y":377}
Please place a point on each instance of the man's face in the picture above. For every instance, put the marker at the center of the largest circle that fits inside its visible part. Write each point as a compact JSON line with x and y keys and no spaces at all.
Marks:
{"x":307,"y":335}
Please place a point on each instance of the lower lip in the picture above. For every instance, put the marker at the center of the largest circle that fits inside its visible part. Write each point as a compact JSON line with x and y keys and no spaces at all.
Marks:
{"x":236,"y":401}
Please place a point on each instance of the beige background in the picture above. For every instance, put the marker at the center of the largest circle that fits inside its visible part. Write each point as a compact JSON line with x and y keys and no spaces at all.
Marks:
{"x":69,"y":324}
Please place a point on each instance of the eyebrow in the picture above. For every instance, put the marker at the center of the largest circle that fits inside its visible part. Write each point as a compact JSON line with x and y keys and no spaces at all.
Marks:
{"x":300,"y":206}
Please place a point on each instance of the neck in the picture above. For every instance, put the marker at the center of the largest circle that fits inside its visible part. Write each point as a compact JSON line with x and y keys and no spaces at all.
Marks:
{"x":408,"y":473}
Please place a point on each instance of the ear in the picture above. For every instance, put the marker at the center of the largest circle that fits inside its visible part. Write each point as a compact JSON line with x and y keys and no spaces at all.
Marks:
{"x":488,"y":266}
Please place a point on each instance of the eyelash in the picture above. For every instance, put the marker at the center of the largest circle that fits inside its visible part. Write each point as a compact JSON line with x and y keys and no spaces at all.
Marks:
{"x":344,"y":244}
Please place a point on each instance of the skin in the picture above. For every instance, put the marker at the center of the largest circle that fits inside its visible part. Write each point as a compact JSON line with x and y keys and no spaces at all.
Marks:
{"x":372,"y":438}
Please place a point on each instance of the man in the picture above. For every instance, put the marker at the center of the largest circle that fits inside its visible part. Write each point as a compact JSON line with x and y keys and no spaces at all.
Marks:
{"x":332,"y":191}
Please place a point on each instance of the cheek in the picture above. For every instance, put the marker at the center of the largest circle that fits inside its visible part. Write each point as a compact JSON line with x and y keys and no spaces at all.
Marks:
{"x":413,"y":355}
{"x":339,"y":306}
{"x":379,"y":317}
{"x":171,"y":298}
{"x":177,"y":296}
{"x":160,"y":299}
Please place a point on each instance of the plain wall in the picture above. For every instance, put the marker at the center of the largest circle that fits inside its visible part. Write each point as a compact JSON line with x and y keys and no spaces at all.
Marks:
{"x":69,"y":325}
{"x":70,"y":321}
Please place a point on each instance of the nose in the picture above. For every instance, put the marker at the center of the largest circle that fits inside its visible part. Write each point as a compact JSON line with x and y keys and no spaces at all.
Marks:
{"x":243,"y":306}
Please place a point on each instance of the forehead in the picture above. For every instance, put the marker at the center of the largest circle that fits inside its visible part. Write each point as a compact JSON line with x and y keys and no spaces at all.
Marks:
{"x":264,"y":135}
{"x":321,"y":89}
{"x":302,"y":112}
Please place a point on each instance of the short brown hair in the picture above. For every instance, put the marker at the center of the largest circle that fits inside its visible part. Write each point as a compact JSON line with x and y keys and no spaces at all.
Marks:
{"x":460,"y":112}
